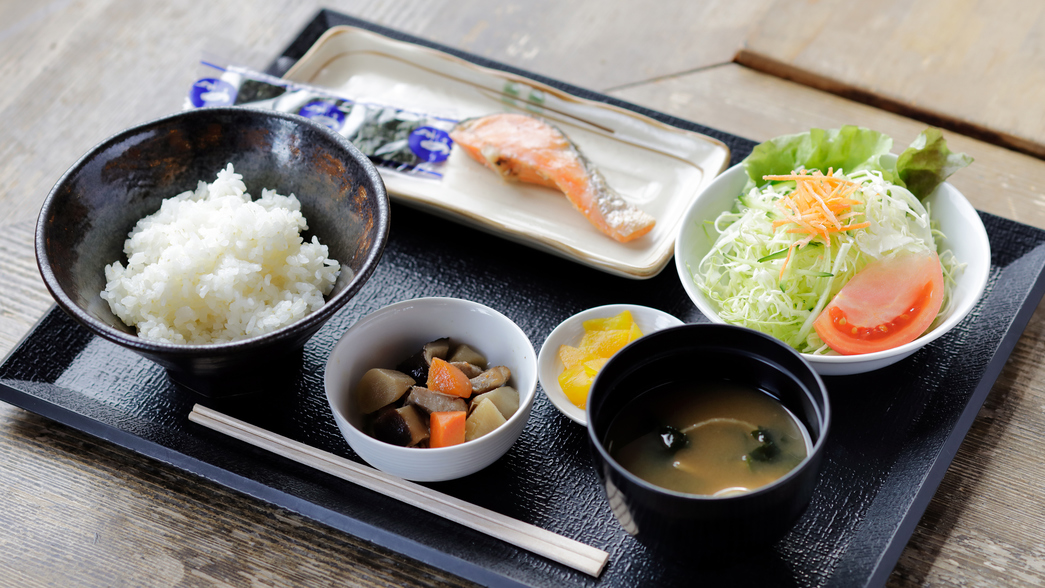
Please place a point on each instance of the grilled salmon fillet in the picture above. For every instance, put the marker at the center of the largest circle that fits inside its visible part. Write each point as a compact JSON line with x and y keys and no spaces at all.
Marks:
{"x":525,"y":148}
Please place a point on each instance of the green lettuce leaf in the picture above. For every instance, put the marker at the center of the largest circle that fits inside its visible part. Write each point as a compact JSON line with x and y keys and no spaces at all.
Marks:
{"x":920,"y":168}
{"x":928,"y":162}
{"x":849,"y":148}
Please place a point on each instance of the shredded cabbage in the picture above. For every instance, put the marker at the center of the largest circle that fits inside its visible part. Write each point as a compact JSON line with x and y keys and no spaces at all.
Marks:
{"x":742,"y":274}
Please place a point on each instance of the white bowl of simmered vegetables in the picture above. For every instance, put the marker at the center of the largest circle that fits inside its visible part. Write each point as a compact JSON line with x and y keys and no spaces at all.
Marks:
{"x":854,"y":257}
{"x":432,"y":389}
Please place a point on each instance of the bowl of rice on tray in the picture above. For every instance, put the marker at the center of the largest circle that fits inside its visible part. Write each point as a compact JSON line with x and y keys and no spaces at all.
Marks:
{"x":214,"y":242}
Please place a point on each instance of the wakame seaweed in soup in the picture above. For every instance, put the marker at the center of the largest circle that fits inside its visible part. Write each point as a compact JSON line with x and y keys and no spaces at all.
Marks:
{"x":712,"y":439}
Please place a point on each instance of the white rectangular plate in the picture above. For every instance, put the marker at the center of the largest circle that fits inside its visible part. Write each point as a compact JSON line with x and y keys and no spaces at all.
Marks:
{"x":655,"y":166}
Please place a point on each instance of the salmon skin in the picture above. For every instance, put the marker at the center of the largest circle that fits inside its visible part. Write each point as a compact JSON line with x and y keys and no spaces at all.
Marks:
{"x":524,"y":148}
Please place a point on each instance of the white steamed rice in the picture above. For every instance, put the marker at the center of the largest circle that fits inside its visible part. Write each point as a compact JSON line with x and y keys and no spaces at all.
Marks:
{"x":214,"y":266}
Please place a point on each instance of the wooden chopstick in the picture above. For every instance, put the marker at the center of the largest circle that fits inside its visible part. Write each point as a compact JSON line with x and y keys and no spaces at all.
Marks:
{"x":555,"y":547}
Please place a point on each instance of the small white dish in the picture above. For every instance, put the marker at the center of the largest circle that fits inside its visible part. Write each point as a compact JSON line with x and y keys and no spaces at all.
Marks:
{"x":387,"y":336}
{"x":657,"y":167}
{"x":570,"y":331}
{"x":958,"y":220}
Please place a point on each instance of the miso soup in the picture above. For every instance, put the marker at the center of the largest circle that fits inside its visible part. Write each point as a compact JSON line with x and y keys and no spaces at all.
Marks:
{"x":713,"y":439}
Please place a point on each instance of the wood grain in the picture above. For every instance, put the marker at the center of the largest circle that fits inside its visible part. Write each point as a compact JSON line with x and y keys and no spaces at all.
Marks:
{"x":974,"y":66}
{"x":24,"y":297}
{"x":82,"y":512}
{"x":79,"y":511}
{"x":599,"y":45}
{"x":750,"y":104}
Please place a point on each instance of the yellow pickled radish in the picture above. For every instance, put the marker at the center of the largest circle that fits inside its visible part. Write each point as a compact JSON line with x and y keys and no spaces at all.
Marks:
{"x":576,"y":383}
{"x":603,"y":337}
{"x":605,"y":343}
{"x":592,"y":367}
{"x":634,"y":333}
{"x":622,"y":321}
{"x":571,"y":356}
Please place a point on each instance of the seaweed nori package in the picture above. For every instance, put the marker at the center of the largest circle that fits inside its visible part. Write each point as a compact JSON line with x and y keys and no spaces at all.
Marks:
{"x":393,"y":138}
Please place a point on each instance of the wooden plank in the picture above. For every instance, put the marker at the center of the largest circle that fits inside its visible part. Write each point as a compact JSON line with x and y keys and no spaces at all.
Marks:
{"x":81,"y":512}
{"x":983,"y":528}
{"x":24,"y":298}
{"x":975,"y":66}
{"x":750,"y":104}
{"x":596,"y":44}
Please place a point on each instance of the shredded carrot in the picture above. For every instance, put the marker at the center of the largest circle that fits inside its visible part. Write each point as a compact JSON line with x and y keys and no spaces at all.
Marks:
{"x":818,"y":206}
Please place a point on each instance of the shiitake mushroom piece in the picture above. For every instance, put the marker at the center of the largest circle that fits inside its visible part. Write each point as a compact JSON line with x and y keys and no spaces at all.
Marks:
{"x":466,"y":354}
{"x":380,"y":387}
{"x":416,"y":366}
{"x":494,"y":377}
{"x":505,"y":398}
{"x":404,"y":426}
{"x":431,"y":401}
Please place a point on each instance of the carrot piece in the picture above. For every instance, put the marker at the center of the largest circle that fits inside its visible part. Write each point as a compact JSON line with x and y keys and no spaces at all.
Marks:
{"x":446,"y":378}
{"x":446,"y":428}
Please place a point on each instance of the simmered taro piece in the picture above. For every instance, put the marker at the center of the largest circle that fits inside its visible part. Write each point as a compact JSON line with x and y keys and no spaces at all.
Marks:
{"x":404,"y":426}
{"x":416,"y":366}
{"x":380,"y":387}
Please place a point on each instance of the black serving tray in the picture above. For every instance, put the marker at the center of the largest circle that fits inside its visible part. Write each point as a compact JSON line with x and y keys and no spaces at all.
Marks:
{"x":895,"y":430}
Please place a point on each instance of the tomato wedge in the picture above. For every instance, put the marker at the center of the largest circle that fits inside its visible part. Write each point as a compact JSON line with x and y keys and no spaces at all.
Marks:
{"x":887,"y":304}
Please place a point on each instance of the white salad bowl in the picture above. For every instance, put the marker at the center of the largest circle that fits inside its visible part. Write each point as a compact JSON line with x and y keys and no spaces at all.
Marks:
{"x":386,"y":337}
{"x":956,"y":218}
{"x":570,"y":332}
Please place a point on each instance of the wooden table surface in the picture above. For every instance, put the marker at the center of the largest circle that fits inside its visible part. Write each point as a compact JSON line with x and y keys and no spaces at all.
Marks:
{"x":80,"y":511}
{"x":975,"y":66}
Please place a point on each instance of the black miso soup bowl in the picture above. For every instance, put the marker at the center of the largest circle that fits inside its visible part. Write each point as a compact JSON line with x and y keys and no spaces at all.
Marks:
{"x":698,"y":527}
{"x":87,"y":215}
